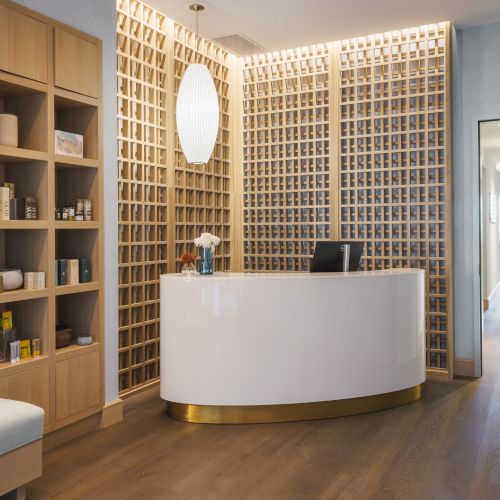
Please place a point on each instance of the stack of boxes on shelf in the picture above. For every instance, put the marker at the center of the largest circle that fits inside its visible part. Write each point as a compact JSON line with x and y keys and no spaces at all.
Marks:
{"x":11,"y":348}
{"x":9,"y":204}
{"x":72,"y":271}
{"x":34,"y":280}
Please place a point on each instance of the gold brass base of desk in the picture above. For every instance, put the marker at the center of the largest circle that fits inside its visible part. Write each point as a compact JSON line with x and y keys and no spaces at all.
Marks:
{"x":260,"y":414}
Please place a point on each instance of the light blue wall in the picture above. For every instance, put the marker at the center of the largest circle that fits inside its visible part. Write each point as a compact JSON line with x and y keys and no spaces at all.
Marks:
{"x":476,"y":96}
{"x":98,"y":18}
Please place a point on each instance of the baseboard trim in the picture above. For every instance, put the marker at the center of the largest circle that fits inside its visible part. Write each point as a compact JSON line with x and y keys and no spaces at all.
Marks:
{"x":112,"y":413}
{"x":464,"y":367}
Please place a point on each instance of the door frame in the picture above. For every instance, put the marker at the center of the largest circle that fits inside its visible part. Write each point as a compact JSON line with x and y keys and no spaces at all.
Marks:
{"x":477,"y":235}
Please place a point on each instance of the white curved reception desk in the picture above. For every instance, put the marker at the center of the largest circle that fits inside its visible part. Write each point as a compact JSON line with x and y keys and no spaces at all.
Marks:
{"x":240,"y":348}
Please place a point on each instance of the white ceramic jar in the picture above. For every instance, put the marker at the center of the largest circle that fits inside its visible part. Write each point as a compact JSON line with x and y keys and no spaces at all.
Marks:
{"x":12,"y":279}
{"x":8,"y":130}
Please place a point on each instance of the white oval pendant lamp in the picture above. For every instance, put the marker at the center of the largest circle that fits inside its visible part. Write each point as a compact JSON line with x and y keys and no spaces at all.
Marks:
{"x":197,"y":110}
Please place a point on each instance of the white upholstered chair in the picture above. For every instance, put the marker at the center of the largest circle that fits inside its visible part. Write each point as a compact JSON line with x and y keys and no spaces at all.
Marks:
{"x":21,"y":432}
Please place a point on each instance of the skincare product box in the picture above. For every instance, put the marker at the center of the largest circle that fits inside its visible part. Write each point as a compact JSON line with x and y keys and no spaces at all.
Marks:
{"x":6,"y":337}
{"x":13,"y":209}
{"x":68,"y":144}
{"x":29,"y":281}
{"x":62,"y":272}
{"x":35,"y":347}
{"x":39,"y":280}
{"x":4,"y":203}
{"x":25,"y":346}
{"x":30,"y":208}
{"x":34,"y":281}
{"x":85,"y":274}
{"x":9,"y":126}
{"x":73,"y":272}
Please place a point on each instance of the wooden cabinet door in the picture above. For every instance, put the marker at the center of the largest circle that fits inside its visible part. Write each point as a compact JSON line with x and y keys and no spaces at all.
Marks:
{"x":76,"y":63}
{"x":77,"y":385}
{"x":31,"y":386}
{"x":23,"y":45}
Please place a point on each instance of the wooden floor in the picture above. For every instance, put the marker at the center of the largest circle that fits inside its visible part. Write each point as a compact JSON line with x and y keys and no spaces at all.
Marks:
{"x":446,"y":446}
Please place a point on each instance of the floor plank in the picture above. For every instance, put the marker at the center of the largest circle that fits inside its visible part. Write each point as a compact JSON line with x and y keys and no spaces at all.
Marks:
{"x":445,"y":446}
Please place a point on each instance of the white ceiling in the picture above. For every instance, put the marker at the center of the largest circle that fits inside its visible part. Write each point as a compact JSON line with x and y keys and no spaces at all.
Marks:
{"x":281,"y":24}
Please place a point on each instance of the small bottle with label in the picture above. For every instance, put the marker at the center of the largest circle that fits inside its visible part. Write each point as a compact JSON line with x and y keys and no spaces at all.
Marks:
{"x":65,"y":212}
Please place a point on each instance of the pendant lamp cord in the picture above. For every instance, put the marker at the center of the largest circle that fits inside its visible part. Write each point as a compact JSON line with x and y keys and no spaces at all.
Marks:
{"x":197,"y":39}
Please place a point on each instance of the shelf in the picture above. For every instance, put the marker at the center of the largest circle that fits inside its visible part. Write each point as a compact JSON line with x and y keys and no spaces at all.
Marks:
{"x":24,"y":224}
{"x":66,"y":99}
{"x":80,"y":288}
{"x":75,"y":224}
{"x":26,"y":363}
{"x":17,"y":86}
{"x":63,"y":161}
{"x":76,"y":350}
{"x":16,"y":155}
{"x":22,"y":294}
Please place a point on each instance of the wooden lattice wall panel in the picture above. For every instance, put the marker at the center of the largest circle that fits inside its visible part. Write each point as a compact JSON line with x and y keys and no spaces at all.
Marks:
{"x":142,"y":188}
{"x":286,"y":158}
{"x":394,"y":168}
{"x":203,"y":192}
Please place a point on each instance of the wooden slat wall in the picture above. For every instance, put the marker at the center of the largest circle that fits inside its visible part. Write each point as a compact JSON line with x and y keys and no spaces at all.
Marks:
{"x":203,"y":192}
{"x":286,"y":158}
{"x":347,"y":140}
{"x":164,"y":203}
{"x":142,"y":188}
{"x":387,"y":177}
{"x":394,"y":171}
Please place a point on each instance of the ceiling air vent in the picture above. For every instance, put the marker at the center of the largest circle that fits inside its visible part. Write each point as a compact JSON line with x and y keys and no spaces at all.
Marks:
{"x":239,"y":44}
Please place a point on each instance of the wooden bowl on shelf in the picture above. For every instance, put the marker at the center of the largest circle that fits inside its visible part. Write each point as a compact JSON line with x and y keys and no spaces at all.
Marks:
{"x":64,"y":336}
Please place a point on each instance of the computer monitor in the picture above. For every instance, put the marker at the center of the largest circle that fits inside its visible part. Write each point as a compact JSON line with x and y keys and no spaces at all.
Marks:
{"x":329,"y":256}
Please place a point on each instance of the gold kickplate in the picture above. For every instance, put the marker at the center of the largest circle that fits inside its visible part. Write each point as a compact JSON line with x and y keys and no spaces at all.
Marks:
{"x":259,"y":414}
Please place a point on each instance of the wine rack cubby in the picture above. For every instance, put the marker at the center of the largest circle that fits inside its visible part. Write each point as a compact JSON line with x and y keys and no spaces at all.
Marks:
{"x":394,"y":171}
{"x":286,"y":158}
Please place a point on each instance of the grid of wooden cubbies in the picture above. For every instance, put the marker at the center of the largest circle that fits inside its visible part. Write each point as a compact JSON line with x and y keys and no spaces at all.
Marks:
{"x":203,"y":192}
{"x":286,"y":158}
{"x":160,"y":215}
{"x":394,"y":170}
{"x":142,"y":195}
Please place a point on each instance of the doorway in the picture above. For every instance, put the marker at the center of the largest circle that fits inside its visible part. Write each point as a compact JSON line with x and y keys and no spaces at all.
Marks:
{"x":489,"y":163}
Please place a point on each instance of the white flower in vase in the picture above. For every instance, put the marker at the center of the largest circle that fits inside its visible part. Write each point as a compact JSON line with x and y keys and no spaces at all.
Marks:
{"x":207,"y":240}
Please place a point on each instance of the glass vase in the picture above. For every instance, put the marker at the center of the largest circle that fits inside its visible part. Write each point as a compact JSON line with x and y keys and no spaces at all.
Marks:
{"x":189,"y":270}
{"x":206,"y":261}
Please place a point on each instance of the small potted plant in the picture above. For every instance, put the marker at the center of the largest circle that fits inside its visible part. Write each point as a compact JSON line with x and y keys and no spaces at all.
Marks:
{"x":189,"y":264}
{"x":207,"y":242}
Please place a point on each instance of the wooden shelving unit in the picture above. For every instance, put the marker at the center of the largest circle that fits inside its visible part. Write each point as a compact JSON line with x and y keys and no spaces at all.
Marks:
{"x":286,"y":158}
{"x":163,"y":202}
{"x":68,"y":390}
